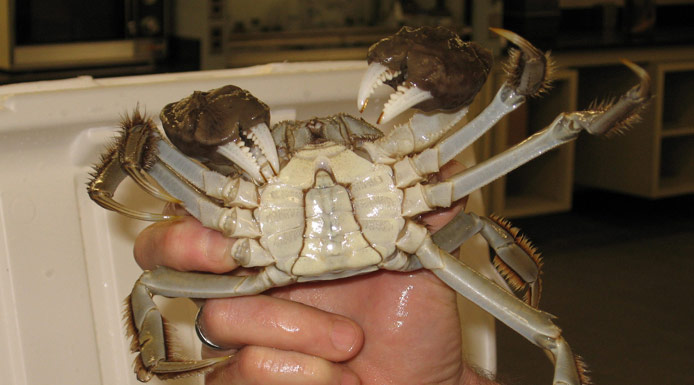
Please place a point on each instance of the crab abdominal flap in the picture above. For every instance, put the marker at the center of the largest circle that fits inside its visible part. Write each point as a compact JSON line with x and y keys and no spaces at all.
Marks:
{"x":333,"y":240}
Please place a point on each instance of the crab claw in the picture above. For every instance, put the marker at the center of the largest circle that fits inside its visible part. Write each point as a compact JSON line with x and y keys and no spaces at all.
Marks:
{"x":227,"y":121}
{"x":430,"y":69}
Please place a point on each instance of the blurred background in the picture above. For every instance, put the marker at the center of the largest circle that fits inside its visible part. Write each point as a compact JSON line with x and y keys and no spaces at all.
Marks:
{"x":612,"y":217}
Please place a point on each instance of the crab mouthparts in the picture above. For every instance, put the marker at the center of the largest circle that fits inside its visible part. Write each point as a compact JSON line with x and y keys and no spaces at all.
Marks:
{"x":400,"y":101}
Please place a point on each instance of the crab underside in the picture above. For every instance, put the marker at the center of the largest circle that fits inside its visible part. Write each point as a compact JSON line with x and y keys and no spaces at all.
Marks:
{"x":333,"y":197}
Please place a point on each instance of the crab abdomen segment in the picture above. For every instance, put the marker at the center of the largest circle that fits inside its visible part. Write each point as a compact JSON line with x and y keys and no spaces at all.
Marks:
{"x":333,"y":241}
{"x":329,"y":212}
{"x":282,"y":221}
{"x":378,"y":209}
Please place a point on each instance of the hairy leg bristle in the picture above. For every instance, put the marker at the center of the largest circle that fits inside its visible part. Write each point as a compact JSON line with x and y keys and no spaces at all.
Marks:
{"x":515,"y":65}
{"x":583,"y":371}
{"x":130,"y":328}
{"x":128,"y":123}
{"x":145,"y":373}
{"x":621,"y":126}
{"x":517,"y":284}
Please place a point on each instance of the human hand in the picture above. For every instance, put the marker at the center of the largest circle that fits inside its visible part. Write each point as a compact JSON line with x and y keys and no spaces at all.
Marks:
{"x":381,"y":328}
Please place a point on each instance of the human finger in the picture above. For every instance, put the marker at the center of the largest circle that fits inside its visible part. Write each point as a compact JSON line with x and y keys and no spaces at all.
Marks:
{"x":281,"y":324}
{"x":184,"y":244}
{"x":259,"y":365}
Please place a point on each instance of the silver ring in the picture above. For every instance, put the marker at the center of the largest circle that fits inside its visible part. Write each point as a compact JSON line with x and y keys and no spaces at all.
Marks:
{"x":205,"y":341}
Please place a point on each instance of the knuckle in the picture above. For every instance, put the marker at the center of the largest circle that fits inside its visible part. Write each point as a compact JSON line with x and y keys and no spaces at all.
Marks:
{"x":215,"y":317}
{"x":190,"y":246}
{"x":147,"y":246}
{"x":176,"y":247}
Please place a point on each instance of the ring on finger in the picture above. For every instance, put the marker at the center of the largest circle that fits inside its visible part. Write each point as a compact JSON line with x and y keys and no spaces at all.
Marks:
{"x":205,"y":341}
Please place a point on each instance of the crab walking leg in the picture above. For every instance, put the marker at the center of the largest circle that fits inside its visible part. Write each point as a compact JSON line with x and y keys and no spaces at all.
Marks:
{"x":533,"y":324}
{"x":566,"y":127}
{"x":233,"y":222}
{"x":411,"y":170}
{"x":521,"y":262}
{"x":235,"y":192}
{"x":104,"y":184}
{"x":505,"y":101}
{"x":147,"y":327}
{"x":129,"y":155}
{"x":420,"y":131}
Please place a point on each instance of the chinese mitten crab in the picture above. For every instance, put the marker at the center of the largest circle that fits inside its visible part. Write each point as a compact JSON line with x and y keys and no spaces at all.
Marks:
{"x":333,"y":197}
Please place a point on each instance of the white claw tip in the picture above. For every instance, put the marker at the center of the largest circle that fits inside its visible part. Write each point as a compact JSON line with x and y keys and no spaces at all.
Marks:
{"x":374,"y":77}
{"x":402,"y":100}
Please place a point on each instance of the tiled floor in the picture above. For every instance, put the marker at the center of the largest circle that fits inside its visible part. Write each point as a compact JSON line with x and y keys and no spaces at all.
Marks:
{"x":619,"y":274}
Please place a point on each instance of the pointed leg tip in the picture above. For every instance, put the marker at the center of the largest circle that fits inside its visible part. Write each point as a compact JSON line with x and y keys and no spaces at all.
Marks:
{"x":643,"y":76}
{"x":517,"y":39}
{"x":637,"y":69}
{"x":169,"y":370}
{"x":503,"y":32}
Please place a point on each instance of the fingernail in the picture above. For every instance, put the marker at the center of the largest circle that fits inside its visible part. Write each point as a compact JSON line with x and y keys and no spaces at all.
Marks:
{"x":349,"y":378}
{"x":343,"y":336}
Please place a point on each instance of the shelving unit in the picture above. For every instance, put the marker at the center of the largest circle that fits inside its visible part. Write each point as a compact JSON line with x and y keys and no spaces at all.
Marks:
{"x":656,"y":157}
{"x":543,"y":185}
{"x":676,"y":112}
